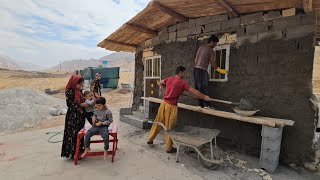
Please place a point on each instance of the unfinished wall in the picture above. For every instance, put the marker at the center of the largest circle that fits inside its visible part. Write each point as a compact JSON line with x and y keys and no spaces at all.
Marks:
{"x":138,"y":81}
{"x":271,"y":65}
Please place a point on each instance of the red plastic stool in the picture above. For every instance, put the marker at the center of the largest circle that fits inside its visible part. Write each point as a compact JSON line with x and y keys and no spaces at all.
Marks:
{"x":113,"y":133}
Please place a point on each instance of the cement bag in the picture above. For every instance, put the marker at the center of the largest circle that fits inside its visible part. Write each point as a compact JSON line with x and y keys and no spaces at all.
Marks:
{"x":64,"y":111}
{"x":55,"y":111}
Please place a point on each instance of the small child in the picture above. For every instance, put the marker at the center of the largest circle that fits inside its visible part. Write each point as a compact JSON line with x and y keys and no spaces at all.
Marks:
{"x":101,"y":120}
{"x":90,"y":100}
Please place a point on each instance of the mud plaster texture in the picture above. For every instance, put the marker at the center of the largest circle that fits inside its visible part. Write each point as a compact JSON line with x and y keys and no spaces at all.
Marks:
{"x":138,"y":81}
{"x":274,"y":75}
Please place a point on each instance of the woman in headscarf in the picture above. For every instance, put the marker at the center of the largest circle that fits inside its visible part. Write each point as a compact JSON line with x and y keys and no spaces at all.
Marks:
{"x":75,"y":118}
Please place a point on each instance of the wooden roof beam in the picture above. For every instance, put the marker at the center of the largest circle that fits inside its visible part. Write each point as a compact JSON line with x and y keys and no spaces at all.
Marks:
{"x":168,"y":11}
{"x":141,"y":29}
{"x":120,"y":44}
{"x":307,"y":6}
{"x":231,"y":11}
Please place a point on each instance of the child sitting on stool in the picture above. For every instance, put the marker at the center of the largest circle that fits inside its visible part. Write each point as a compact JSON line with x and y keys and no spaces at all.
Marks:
{"x":101,"y":120}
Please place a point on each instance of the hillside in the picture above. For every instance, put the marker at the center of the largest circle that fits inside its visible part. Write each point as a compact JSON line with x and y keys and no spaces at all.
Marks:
{"x":119,"y":59}
{"x":13,"y":64}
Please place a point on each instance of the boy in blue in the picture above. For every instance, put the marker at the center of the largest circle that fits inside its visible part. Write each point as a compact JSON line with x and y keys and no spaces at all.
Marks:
{"x":101,"y":120}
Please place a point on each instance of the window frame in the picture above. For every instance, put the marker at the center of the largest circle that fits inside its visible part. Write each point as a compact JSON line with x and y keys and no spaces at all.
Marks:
{"x":220,"y":47}
{"x":152,"y":67}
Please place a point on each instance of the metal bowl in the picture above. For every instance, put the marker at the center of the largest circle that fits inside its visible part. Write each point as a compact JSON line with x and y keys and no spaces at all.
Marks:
{"x":245,"y":113}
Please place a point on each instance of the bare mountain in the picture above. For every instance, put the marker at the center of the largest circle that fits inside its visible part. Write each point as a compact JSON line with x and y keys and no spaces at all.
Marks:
{"x":123,"y":60}
{"x":12,"y":64}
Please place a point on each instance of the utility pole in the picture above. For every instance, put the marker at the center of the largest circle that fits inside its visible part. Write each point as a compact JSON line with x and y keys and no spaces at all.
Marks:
{"x":60,"y":68}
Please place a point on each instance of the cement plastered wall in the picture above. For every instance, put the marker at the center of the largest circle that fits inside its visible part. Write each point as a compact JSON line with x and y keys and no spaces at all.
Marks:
{"x":271,"y":66}
{"x":138,"y":81}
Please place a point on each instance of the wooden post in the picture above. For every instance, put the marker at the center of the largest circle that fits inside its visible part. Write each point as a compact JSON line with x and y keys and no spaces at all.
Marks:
{"x":168,"y":11}
{"x":141,"y":29}
{"x":120,"y":44}
{"x":232,"y":13}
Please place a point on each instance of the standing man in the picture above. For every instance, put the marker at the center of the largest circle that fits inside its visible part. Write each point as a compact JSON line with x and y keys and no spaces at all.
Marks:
{"x":203,"y":58}
{"x":167,"y":113}
{"x":95,"y":86}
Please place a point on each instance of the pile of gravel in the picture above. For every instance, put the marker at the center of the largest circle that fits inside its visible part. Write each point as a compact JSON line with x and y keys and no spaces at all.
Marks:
{"x":21,"y":108}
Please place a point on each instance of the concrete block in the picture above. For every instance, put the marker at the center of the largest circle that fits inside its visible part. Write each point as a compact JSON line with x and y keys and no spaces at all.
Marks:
{"x":212,"y":27}
{"x":195,"y":30}
{"x":183,"y":33}
{"x":148,"y":42}
{"x":257,"y":28}
{"x":270,"y":167}
{"x":155,"y":40}
{"x":125,"y":111}
{"x":272,"y":35}
{"x":270,"y":144}
{"x":172,"y":28}
{"x":135,"y":121}
{"x":272,"y":133}
{"x":308,"y":19}
{"x":182,"y":26}
{"x":252,"y":18}
{"x":245,"y":40}
{"x":287,"y":22}
{"x":272,"y":15}
{"x":172,"y":35}
{"x":192,"y":23}
{"x":241,"y":31}
{"x":298,"y":32}
{"x":289,"y":12}
{"x":231,"y":23}
{"x":183,"y":39}
{"x":203,"y":20}
{"x":163,"y":31}
{"x":125,"y":119}
{"x":270,"y":156}
{"x":218,"y":18}
{"x":231,"y":38}
{"x":164,"y":37}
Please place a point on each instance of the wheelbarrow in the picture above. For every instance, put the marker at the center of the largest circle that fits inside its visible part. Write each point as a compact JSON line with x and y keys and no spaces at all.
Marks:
{"x":196,"y":138}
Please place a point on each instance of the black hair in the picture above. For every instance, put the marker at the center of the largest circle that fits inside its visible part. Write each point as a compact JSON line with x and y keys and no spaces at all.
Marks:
{"x":80,"y":81}
{"x":101,"y":100}
{"x":86,"y":93}
{"x":213,"y":39}
{"x":180,"y":69}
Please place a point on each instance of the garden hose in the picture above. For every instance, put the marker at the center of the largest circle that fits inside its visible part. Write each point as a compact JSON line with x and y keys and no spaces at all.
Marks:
{"x":54,"y":134}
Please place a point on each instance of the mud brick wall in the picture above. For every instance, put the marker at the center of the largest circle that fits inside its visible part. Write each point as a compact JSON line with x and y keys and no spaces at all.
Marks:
{"x":270,"y":65}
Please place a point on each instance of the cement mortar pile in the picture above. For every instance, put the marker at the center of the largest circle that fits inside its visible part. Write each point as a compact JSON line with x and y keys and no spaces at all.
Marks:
{"x":21,"y":108}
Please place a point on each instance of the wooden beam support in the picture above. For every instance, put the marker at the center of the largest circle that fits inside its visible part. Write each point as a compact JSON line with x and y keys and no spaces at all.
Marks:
{"x":141,"y":29}
{"x":120,"y":44}
{"x":272,"y":122}
{"x":168,"y":11}
{"x":307,"y":6}
{"x":231,"y":11}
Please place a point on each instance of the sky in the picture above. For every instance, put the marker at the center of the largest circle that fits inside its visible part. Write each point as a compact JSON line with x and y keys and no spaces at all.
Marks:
{"x":45,"y":32}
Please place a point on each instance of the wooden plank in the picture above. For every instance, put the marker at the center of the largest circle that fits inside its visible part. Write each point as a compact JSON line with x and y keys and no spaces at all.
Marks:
{"x":272,"y":122}
{"x":120,"y":44}
{"x":169,"y":11}
{"x":232,"y":13}
{"x":141,"y":29}
{"x":307,"y":6}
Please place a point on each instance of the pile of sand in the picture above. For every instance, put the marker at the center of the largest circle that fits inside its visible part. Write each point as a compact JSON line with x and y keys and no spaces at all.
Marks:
{"x":21,"y":108}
